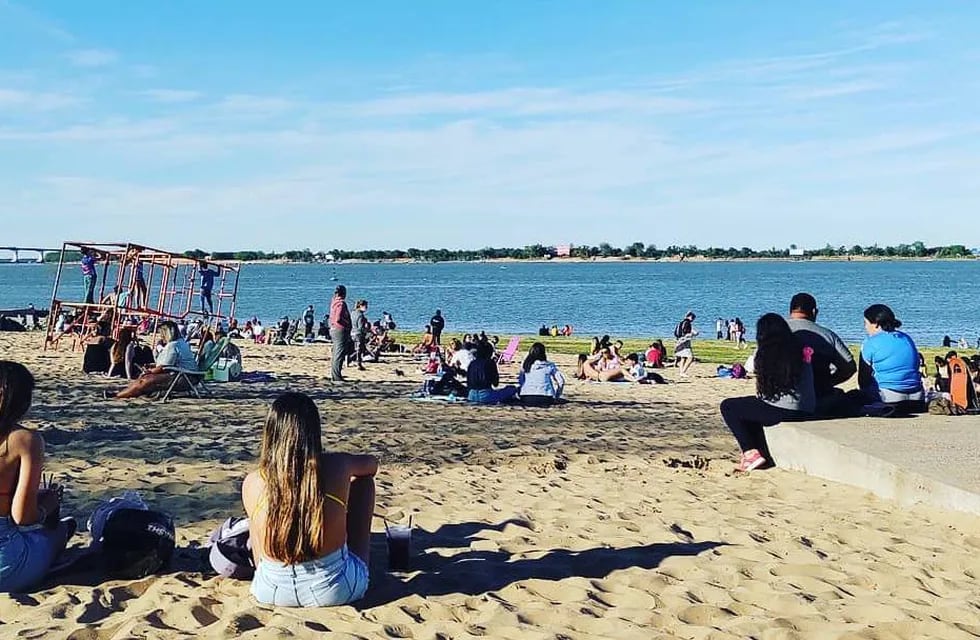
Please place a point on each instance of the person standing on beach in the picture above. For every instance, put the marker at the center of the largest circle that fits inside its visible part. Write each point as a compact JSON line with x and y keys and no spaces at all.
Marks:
{"x":309,"y":319}
{"x":340,"y":331}
{"x":89,"y":275}
{"x":361,"y":329}
{"x":437,"y":323}
{"x":720,"y":328}
{"x":684,"y":350}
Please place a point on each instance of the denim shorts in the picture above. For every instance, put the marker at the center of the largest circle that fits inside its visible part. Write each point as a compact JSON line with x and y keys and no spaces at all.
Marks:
{"x":337,"y":578}
{"x":26,"y":553}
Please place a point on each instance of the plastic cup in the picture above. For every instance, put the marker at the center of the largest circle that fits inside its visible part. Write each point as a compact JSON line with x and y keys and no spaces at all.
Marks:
{"x":399,"y":538}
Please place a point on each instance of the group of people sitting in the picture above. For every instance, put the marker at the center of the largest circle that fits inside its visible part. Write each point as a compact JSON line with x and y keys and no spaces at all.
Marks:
{"x":798,"y":365}
{"x":152,"y":369}
{"x":468,"y":368}
{"x":608,"y":363}
{"x":555,"y":331}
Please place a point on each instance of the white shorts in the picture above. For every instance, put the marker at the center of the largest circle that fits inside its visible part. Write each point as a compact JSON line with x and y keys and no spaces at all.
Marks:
{"x":684,"y":353}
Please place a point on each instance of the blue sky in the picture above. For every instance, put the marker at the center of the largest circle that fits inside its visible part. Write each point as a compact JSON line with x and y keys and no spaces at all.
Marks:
{"x":434,"y":123}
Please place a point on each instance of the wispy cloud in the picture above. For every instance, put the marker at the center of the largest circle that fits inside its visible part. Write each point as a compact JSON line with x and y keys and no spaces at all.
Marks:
{"x":527,"y":102}
{"x":170,"y":96}
{"x":92,"y":57}
{"x":31,"y":100}
{"x":33,"y":20}
{"x":836,"y":90}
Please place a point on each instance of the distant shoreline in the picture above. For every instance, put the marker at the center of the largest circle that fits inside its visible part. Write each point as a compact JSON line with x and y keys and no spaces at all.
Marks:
{"x":595,"y":260}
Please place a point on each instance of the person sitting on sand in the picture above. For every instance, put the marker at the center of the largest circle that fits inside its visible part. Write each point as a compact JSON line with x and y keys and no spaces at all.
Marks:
{"x":175,"y":353}
{"x":482,"y":376}
{"x":31,"y":534}
{"x":889,"y":365}
{"x":540,"y":381}
{"x":461,"y":356}
{"x":580,"y":367}
{"x":656,"y":355}
{"x":427,"y":343}
{"x":636,"y":372}
{"x":598,"y":344}
{"x":603,"y":367}
{"x":617,"y":349}
{"x":784,"y":390}
{"x":310,"y":512}
{"x":122,"y":354}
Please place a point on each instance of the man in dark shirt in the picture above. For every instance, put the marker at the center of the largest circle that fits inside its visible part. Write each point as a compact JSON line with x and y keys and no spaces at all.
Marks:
{"x":438,"y":323}
{"x":309,"y":318}
{"x":207,"y":286}
{"x":833,"y":362}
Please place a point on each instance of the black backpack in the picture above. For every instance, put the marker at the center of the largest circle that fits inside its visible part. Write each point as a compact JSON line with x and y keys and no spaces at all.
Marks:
{"x":136,"y":543}
{"x":679,"y":330}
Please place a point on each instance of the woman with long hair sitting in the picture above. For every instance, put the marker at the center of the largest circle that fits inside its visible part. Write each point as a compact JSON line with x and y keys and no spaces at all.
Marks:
{"x":31,"y":534}
{"x":540,"y":381}
{"x":482,"y":376}
{"x":176,"y":353}
{"x":309,"y":512}
{"x":889,"y":365}
{"x":784,"y":390}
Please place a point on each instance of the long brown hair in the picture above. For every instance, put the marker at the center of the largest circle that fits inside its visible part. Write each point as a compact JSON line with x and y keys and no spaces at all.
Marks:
{"x":290,"y":465}
{"x":16,"y":391}
{"x":126,"y":336}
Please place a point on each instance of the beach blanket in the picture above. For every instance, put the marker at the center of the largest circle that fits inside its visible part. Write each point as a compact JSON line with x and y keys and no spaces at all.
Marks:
{"x":442,"y":399}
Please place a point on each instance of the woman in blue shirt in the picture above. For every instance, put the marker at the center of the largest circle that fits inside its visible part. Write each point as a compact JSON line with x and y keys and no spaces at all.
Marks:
{"x":889,"y":369}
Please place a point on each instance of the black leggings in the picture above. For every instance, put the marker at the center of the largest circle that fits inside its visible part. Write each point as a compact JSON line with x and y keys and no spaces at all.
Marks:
{"x":747,"y":418}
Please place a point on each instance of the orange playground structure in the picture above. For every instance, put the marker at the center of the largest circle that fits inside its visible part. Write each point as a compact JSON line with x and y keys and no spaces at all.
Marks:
{"x":136,"y":286}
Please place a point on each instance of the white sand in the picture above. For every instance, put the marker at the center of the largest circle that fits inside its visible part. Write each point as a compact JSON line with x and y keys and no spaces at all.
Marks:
{"x":598,"y":519}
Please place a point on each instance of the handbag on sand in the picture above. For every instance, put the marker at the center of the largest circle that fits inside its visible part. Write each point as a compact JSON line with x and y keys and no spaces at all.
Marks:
{"x":231,"y":549}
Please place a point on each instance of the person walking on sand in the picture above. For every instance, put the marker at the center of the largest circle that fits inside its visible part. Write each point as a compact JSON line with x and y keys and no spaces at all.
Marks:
{"x":684,"y":349}
{"x":340,"y":331}
{"x":437,"y":323}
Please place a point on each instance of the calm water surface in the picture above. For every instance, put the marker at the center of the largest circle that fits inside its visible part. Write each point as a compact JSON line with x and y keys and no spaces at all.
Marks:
{"x":622,"y":299}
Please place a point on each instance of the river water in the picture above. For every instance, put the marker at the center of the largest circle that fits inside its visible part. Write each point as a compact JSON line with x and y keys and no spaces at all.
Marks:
{"x":618,"y":298}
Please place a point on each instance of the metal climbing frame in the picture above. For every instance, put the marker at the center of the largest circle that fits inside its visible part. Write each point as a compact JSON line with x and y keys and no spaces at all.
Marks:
{"x":145,"y":287}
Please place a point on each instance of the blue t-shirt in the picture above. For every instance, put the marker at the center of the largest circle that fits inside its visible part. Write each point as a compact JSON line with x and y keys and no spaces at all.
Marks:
{"x":894,"y":360}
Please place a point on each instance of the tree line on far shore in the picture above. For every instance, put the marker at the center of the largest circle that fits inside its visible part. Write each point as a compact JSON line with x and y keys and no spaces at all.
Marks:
{"x":603,"y":250}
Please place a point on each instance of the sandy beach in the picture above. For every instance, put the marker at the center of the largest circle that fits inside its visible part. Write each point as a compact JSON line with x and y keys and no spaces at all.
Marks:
{"x":617,"y":515}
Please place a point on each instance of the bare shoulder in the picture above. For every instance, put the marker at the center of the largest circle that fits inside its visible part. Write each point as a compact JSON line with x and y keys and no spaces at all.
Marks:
{"x":252,"y":488}
{"x":349,"y":464}
{"x":25,"y":441}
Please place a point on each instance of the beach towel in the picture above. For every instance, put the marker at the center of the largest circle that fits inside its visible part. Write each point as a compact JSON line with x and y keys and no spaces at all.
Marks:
{"x":441,"y":399}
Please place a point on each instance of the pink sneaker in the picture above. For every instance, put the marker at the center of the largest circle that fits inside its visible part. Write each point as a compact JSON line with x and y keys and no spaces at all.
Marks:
{"x":751,"y":460}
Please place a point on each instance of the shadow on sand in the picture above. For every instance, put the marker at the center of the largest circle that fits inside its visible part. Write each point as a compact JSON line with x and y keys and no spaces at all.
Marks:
{"x":477,"y":572}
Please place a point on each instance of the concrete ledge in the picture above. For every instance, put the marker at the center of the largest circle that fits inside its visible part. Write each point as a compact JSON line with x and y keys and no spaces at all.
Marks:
{"x":925,"y":459}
